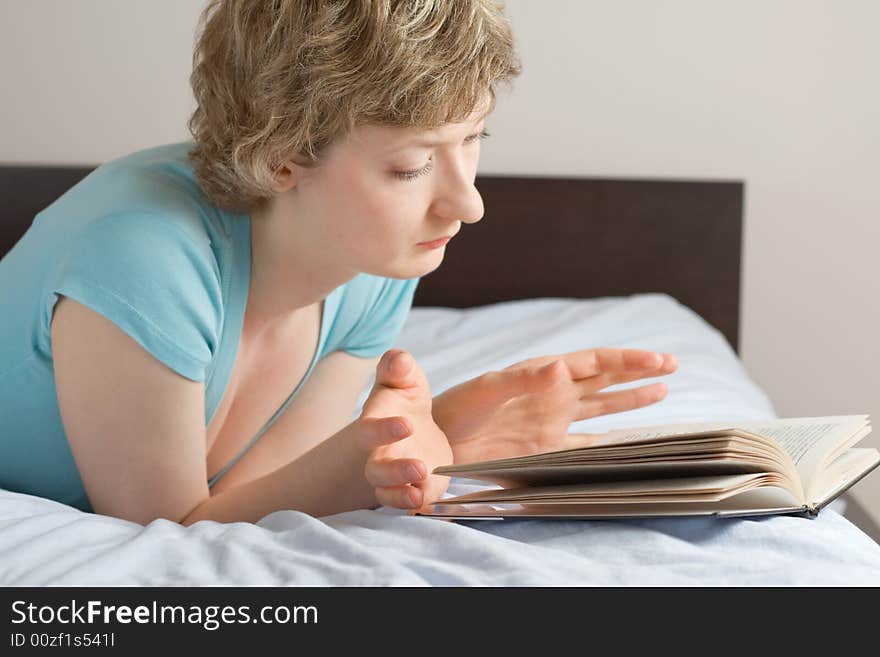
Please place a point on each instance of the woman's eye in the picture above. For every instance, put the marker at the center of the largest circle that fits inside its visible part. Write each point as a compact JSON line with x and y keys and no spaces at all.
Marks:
{"x":411,"y":175}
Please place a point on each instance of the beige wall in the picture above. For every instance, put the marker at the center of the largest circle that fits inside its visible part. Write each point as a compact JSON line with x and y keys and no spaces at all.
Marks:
{"x":780,"y":93}
{"x":89,"y":80}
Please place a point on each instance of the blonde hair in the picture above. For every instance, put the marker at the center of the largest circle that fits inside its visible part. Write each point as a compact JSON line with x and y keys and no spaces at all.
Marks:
{"x":282,"y":79}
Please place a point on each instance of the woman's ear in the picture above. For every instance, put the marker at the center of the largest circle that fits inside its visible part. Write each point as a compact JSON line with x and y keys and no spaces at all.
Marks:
{"x":286,"y":176}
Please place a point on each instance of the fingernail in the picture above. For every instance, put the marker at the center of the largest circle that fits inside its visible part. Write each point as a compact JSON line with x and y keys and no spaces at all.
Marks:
{"x":415,"y":472}
{"x":410,"y":499}
{"x":399,"y":430}
{"x":395,"y":359}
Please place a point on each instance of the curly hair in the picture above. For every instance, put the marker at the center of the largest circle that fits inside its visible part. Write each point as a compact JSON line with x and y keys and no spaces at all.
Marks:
{"x":276,"y":80}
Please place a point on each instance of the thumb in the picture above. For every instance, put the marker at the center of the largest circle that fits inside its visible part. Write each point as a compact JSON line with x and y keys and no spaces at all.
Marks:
{"x":397,"y":369}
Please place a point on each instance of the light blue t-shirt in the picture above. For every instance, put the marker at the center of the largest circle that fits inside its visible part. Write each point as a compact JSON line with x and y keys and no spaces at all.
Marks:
{"x":138,"y":242}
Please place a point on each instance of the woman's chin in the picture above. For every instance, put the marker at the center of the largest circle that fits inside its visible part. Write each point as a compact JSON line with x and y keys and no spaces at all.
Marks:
{"x":413,"y":267}
{"x":430,"y":262}
{"x":437,"y":261}
{"x":404,"y":272}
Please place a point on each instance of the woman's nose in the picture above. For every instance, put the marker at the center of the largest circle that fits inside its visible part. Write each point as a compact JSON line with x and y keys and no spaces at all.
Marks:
{"x":463,"y":203}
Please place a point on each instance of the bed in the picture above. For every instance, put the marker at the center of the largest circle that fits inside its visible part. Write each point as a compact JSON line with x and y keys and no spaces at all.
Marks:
{"x":557,"y":264}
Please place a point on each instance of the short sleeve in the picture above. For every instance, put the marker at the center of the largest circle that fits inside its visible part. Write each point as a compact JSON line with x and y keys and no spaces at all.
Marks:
{"x":156,"y":281}
{"x":383,"y":309}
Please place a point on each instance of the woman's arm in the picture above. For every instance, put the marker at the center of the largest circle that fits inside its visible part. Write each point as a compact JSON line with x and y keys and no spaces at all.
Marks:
{"x":137,"y":432}
{"x":136,"y":428}
{"x":360,"y":466}
{"x":324,"y":405}
{"x":327,"y":479}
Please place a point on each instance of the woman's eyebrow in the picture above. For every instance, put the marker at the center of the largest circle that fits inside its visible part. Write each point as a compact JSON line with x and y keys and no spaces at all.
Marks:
{"x":425,"y":143}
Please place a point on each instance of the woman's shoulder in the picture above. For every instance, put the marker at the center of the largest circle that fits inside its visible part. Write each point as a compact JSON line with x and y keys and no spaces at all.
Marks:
{"x":147,"y":191}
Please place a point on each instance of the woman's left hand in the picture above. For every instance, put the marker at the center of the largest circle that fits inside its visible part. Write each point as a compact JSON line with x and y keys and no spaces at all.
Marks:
{"x":527,"y":407}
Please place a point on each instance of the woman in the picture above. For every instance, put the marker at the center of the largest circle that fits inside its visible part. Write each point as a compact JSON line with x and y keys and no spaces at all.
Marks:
{"x":187,"y":330}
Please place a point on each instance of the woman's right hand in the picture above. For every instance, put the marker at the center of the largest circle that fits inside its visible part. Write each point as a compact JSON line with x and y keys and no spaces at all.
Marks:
{"x":399,"y":466}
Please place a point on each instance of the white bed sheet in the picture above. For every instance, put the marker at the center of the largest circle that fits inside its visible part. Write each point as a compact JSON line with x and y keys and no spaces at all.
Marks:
{"x":47,"y":543}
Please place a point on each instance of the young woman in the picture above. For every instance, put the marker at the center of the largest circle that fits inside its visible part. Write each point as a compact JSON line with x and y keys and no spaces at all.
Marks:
{"x":186,"y":332}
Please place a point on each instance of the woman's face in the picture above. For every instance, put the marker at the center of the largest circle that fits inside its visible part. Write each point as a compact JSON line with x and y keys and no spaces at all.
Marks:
{"x":381,"y":191}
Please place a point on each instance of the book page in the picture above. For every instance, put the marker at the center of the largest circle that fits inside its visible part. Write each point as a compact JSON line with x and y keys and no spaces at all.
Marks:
{"x":549,"y":475}
{"x":759,"y":501}
{"x":807,"y":440}
{"x":810,"y":440}
{"x":679,"y":489}
{"x":846,"y":468}
{"x":800,"y":447}
{"x":643,"y":434}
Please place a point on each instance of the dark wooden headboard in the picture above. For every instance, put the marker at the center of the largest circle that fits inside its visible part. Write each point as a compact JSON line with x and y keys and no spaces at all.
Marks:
{"x":541,"y":237}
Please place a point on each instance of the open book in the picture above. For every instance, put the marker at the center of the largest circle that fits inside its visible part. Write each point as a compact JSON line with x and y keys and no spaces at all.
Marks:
{"x":793,"y":465}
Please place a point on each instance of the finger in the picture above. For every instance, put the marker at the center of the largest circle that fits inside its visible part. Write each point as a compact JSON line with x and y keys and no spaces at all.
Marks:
{"x":394,"y":472}
{"x":619,"y":401}
{"x":432,"y":491}
{"x":670,"y":363}
{"x":498,"y":387}
{"x":372,"y":432}
{"x":429,"y":497}
{"x":398,"y":369}
{"x":582,"y":440}
{"x":591,"y":385}
{"x":592,"y":362}
{"x":399,"y":497}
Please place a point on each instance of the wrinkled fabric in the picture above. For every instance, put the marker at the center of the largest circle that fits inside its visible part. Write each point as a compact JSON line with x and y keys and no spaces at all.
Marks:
{"x":47,"y":543}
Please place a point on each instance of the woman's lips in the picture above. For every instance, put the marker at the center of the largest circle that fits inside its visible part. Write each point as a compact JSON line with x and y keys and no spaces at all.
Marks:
{"x":435,"y":243}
